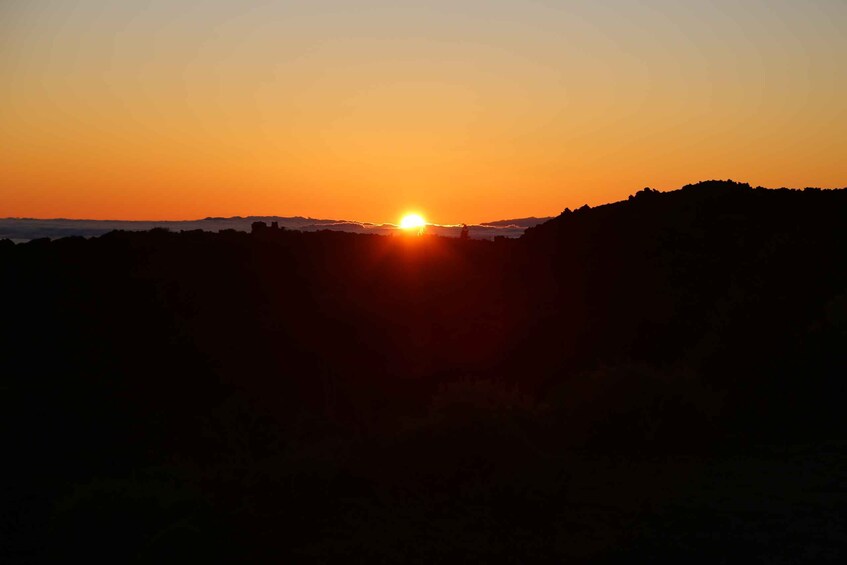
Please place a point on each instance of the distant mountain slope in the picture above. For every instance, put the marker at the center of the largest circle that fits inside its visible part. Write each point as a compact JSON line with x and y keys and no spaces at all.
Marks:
{"x":519,"y":222}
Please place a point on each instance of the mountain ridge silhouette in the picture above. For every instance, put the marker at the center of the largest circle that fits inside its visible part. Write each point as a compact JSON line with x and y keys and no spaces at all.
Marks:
{"x":626,"y":382}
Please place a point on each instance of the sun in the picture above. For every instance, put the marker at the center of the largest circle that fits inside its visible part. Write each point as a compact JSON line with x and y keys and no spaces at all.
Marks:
{"x":412,"y":222}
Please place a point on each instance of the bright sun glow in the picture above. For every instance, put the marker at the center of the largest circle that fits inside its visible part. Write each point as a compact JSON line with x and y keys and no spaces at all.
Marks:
{"x":412,"y":221}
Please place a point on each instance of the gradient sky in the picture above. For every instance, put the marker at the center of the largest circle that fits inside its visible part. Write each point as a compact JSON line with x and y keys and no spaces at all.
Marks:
{"x":465,"y":110}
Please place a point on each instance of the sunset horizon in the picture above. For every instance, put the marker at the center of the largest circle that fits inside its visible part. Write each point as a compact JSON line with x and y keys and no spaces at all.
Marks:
{"x":442,"y":281}
{"x":468,"y":110}
{"x":398,"y":217}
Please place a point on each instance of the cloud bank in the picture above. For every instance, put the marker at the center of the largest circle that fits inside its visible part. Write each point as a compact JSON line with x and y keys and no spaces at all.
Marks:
{"x":21,"y":230}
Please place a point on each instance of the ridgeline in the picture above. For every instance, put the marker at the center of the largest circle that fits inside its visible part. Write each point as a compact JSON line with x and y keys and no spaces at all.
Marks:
{"x":636,"y":380}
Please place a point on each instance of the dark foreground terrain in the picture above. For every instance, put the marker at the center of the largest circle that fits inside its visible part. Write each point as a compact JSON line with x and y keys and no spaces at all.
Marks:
{"x":660,"y":379}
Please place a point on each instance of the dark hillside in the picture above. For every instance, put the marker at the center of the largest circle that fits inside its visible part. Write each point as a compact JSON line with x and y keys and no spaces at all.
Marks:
{"x":642,"y":379}
{"x":743,"y":286}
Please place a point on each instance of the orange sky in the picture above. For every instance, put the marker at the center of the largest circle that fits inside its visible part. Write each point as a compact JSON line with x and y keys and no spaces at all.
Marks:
{"x":463,"y":110}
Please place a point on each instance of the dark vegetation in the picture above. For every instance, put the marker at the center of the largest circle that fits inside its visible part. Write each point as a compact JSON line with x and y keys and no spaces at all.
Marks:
{"x":659,"y":378}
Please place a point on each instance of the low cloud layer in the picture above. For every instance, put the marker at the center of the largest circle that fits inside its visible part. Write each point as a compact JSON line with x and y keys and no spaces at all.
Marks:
{"x":21,"y":230}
